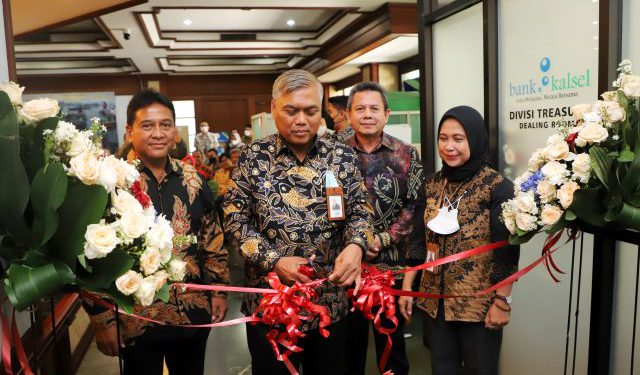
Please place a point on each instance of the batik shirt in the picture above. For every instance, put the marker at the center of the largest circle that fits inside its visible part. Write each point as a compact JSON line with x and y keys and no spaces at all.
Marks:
{"x":276,"y":206}
{"x":341,"y":136}
{"x":186,"y":201}
{"x":393,"y":176}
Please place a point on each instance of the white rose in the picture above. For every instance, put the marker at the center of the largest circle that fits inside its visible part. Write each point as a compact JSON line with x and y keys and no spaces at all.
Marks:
{"x":150,"y":260}
{"x":14,"y":91}
{"x":65,"y":132}
{"x":133,"y":225}
{"x":526,"y":222}
{"x":39,"y":109}
{"x":79,"y":144}
{"x":160,"y":235}
{"x":520,"y":179}
{"x":579,"y":110}
{"x":146,"y":292}
{"x":510,"y":224}
{"x":550,"y":214}
{"x":124,"y":203}
{"x":592,"y":117}
{"x":591,"y":133}
{"x":582,"y":167}
{"x":85,"y":167}
{"x":609,"y":96}
{"x":161,"y":278}
{"x":557,"y":148}
{"x":538,"y":158}
{"x":565,"y":193}
{"x":546,"y":191}
{"x":177,"y":270}
{"x":108,"y":177}
{"x":101,"y":240}
{"x":526,"y":203}
{"x":165,"y":254}
{"x":612,"y":111}
{"x":555,"y":172}
{"x":630,"y":85}
{"x":128,"y":283}
{"x":127,"y":174}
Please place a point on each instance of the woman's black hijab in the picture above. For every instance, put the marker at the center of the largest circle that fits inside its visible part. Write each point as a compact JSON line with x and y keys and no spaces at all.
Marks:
{"x":473,"y":124}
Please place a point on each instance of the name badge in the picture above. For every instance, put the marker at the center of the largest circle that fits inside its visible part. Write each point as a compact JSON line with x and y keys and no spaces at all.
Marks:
{"x":432,"y":255}
{"x":335,"y":198}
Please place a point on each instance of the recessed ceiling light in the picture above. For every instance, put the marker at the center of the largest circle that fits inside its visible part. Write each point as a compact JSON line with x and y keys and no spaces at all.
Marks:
{"x":291,"y":22}
{"x":187,"y":22}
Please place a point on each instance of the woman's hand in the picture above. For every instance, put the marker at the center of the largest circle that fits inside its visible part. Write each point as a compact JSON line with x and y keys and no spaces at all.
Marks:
{"x":405,"y":303}
{"x":497,"y":317}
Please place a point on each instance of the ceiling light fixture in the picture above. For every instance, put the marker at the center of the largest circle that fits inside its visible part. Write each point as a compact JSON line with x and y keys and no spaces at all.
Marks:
{"x":187,"y":22}
{"x":291,"y":22}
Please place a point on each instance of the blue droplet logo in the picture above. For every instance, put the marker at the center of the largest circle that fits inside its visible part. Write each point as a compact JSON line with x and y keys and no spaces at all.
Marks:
{"x":545,"y":81}
{"x":545,"y":64}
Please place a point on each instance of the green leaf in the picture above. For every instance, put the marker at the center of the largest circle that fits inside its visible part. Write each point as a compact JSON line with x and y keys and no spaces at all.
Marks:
{"x":37,"y":159}
{"x":163,"y":293}
{"x":48,"y":191}
{"x":626,"y":155}
{"x":601,"y":165}
{"x":14,"y":183}
{"x":106,"y":270}
{"x":622,"y":99}
{"x":126,"y":303}
{"x":569,"y":215}
{"x":84,"y":263}
{"x":587,"y":205}
{"x":626,"y":215}
{"x":520,"y":239}
{"x":86,"y":206}
{"x":25,"y":285}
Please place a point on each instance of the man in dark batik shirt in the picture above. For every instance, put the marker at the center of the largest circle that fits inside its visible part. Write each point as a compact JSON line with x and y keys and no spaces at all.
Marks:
{"x":393,"y":175}
{"x":276,"y":215}
{"x":179,"y":193}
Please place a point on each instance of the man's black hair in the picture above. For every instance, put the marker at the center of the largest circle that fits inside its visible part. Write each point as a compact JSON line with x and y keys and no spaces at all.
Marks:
{"x":339,"y":102}
{"x":144,"y":99}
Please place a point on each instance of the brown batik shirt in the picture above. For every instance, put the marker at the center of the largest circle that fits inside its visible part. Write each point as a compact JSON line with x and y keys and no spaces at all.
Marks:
{"x":479,"y":219}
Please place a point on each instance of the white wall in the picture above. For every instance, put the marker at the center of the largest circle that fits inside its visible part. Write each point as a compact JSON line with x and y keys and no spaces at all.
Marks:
{"x":458,"y":74}
{"x":122,"y":101}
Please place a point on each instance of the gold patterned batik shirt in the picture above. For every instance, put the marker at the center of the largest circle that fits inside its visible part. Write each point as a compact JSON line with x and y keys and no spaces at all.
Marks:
{"x":276,"y":207}
{"x":187,"y":202}
{"x":393,"y":175}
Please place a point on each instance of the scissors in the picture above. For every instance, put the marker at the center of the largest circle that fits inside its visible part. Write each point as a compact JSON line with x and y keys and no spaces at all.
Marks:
{"x":317,"y":268}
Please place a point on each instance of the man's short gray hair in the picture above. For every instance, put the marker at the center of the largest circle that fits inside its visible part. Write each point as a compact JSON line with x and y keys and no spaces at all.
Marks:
{"x":295,"y":79}
{"x":368,"y":86}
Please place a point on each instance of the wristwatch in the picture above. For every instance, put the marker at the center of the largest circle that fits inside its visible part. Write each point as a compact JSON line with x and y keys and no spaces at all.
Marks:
{"x":505,"y":299}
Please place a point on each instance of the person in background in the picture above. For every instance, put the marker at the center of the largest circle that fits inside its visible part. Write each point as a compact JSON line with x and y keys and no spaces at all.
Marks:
{"x":205,"y":140}
{"x":392,"y":173}
{"x":337,"y":109}
{"x":235,"y":141}
{"x":212,"y":158}
{"x":223,"y":174}
{"x":178,"y":193}
{"x":462,"y":211}
{"x":204,"y":170}
{"x":180,"y":150}
{"x":247,"y":135}
{"x":277,"y":217}
{"x":234,"y":155}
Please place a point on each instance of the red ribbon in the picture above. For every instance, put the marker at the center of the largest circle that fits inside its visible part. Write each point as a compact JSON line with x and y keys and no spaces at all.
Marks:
{"x":289,"y":308}
{"x":11,"y":336}
{"x":140,"y":195}
{"x":374,"y":302}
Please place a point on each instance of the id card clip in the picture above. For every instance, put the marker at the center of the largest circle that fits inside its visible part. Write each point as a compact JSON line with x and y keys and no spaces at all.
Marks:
{"x":335,"y":198}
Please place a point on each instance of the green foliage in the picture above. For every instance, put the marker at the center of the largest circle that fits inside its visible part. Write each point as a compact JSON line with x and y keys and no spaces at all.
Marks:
{"x":48,"y":191}
{"x":106,"y":270}
{"x":25,"y":285}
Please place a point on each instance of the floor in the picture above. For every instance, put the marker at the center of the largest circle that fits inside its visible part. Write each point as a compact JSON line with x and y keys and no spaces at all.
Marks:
{"x":227,"y":352}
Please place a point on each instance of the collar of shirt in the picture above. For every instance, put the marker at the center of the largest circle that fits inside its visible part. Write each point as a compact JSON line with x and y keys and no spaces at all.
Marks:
{"x":172,"y":166}
{"x":387,"y":141}
{"x":282,"y":146}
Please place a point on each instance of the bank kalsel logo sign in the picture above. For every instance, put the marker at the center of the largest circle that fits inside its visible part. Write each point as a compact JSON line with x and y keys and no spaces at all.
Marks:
{"x":549,"y":81}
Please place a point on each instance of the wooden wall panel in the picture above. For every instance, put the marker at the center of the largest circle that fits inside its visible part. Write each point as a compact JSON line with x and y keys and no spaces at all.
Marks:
{"x":226,"y":114}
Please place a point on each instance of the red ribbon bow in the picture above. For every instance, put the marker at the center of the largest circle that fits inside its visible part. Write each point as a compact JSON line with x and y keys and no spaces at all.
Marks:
{"x":140,"y":195}
{"x":289,"y":307}
{"x":374,"y":301}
